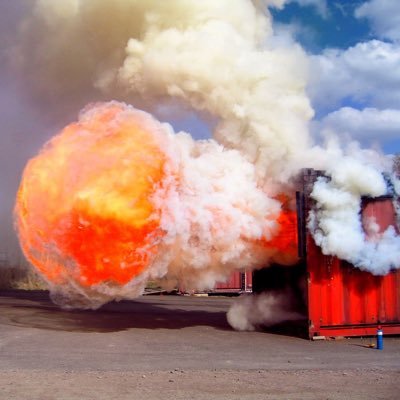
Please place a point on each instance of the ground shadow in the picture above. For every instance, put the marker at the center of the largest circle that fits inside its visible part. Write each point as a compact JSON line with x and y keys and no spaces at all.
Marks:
{"x":35,"y":309}
{"x":297,"y":328}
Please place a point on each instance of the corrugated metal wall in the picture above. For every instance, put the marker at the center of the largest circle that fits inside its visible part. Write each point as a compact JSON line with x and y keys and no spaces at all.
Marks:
{"x":238,"y":281}
{"x":342,"y":299}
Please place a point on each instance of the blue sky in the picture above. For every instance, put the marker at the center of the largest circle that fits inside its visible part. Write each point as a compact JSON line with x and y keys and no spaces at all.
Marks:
{"x":354,"y":49}
{"x":354,"y":53}
{"x":333,"y":26}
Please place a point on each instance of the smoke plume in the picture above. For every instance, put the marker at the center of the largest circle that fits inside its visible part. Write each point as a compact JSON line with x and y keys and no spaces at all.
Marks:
{"x":118,"y":198}
{"x":336,"y":221}
{"x":197,"y":53}
{"x":251,"y":312}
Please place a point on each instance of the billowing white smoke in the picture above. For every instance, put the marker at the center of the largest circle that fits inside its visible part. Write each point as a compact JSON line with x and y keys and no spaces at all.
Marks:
{"x":250,"y":312}
{"x":214,"y":56}
{"x":139,"y":202}
{"x":336,"y":221}
{"x":218,"y":218}
{"x":218,"y":58}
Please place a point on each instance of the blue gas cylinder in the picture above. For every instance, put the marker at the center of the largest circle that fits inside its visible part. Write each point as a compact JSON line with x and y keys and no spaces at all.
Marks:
{"x":379,"y":338}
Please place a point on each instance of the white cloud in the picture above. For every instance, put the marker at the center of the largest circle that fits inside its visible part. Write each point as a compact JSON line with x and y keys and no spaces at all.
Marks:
{"x":288,"y":34}
{"x":366,"y":124}
{"x":367,"y":74}
{"x":384,"y":16}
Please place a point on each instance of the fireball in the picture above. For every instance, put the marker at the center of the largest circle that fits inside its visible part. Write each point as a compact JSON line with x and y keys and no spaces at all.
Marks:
{"x":85,"y":208}
{"x":117,"y":198}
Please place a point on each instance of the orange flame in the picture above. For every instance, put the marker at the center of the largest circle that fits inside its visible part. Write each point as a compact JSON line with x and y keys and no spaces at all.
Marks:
{"x":84,"y":208}
{"x":286,"y":240}
{"x":95,"y":207}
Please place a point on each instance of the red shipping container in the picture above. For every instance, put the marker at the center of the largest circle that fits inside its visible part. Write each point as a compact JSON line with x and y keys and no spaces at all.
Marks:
{"x":237,"y":282}
{"x":342,"y":299}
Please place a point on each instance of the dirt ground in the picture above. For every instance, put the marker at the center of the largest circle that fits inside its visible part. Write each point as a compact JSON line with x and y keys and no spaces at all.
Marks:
{"x":173,"y":347}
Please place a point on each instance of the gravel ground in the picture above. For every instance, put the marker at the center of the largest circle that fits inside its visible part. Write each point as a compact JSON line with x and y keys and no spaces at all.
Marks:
{"x":172,"y":347}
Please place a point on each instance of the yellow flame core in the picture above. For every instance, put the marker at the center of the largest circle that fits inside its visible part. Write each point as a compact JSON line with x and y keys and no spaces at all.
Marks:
{"x":84,"y":208}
